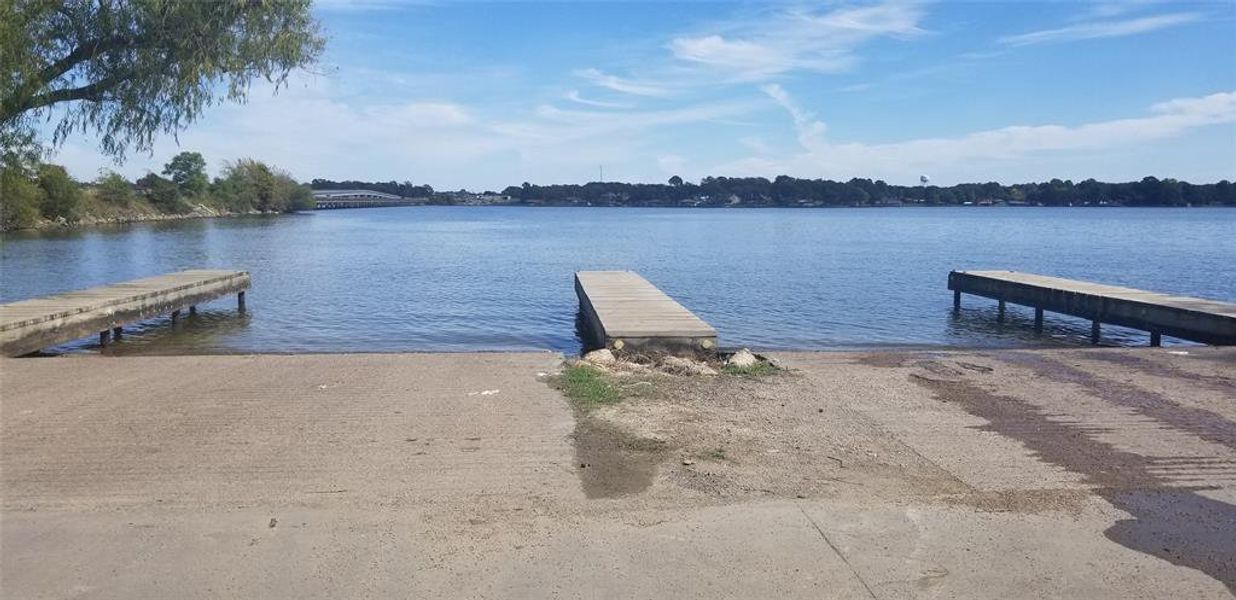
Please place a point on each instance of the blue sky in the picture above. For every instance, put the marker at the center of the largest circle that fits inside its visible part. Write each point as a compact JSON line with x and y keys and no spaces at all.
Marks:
{"x":485,"y":95}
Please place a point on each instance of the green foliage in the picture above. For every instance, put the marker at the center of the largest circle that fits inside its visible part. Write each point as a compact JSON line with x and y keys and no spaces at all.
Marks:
{"x":163,"y":193}
{"x":301,"y":196}
{"x":248,"y":184}
{"x":130,"y":69}
{"x":61,"y":195}
{"x":675,"y":181}
{"x":19,"y":199}
{"x":188,"y":170}
{"x":586,"y":387}
{"x":113,"y":188}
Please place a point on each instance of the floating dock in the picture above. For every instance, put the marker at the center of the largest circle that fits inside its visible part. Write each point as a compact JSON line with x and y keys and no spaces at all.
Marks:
{"x":621,"y":310}
{"x":31,"y":325}
{"x":1193,"y":319}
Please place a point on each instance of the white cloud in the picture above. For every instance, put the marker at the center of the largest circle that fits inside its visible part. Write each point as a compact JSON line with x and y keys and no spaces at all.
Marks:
{"x":425,"y":114}
{"x":900,"y":161}
{"x":574,"y":96}
{"x":626,"y":86}
{"x":1100,"y":29}
{"x":746,"y":57}
{"x":671,"y":164}
{"x":810,"y":131}
{"x":312,"y":133}
{"x":798,"y":39}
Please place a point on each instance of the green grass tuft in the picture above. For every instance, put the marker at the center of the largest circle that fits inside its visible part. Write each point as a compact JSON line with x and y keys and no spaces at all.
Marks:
{"x":759,"y":369}
{"x":586,"y":387}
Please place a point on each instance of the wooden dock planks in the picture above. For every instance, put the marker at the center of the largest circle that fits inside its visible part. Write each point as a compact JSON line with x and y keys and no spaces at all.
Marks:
{"x":1195,"y":319}
{"x":621,"y":310}
{"x":30,"y":325}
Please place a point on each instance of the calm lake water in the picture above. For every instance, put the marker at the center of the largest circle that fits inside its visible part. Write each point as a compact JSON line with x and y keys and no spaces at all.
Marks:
{"x":467,"y":278}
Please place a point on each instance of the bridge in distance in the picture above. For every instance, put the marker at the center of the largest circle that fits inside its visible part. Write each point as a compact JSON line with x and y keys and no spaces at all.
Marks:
{"x":330,"y":199}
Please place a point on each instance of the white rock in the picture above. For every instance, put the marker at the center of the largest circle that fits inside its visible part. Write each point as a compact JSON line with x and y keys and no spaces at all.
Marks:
{"x":742,"y":359}
{"x":602,"y":357}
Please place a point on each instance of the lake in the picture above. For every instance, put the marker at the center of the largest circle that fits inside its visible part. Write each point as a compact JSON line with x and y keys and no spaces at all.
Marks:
{"x":500,"y":278}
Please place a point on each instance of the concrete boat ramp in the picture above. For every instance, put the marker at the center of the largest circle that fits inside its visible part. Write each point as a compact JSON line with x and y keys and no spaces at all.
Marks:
{"x":1094,"y":473}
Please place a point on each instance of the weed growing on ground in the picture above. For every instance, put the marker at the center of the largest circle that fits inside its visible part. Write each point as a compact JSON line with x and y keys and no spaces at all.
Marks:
{"x":586,"y":387}
{"x":759,"y":369}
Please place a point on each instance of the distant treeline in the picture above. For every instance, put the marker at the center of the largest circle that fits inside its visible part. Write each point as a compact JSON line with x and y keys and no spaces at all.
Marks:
{"x":792,"y":192}
{"x":405,"y":189}
{"x":34,"y":193}
{"x":785,"y":191}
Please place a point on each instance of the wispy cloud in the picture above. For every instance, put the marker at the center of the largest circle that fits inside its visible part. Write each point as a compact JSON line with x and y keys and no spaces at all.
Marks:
{"x":623,"y":85}
{"x":441,"y":139}
{"x":818,"y":156}
{"x":797,"y":39}
{"x":574,"y":96}
{"x":1101,"y":29}
{"x":810,"y":131}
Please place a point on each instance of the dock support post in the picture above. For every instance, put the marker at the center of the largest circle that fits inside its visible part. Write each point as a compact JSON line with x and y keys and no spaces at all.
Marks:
{"x":956,"y":301}
{"x":105,"y":337}
{"x":1038,"y":320}
{"x":1000,"y":311}
{"x":116,"y":331}
{"x":175,"y":316}
{"x":1156,"y":339}
{"x":240,"y":301}
{"x":1094,"y":332}
{"x":193,"y":311}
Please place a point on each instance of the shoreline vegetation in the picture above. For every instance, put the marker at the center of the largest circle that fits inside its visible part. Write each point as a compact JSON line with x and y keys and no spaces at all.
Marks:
{"x":791,"y":192}
{"x":43,"y":196}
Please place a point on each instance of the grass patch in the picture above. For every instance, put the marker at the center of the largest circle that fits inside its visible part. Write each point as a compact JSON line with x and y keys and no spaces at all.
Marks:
{"x":586,"y":387}
{"x":717,"y":454}
{"x":759,"y":369}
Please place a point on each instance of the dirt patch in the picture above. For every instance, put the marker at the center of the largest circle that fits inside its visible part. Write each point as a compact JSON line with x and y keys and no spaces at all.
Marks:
{"x":733,"y":437}
{"x":613,"y":462}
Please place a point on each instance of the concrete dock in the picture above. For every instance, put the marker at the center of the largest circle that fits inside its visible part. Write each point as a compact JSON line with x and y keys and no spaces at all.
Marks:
{"x":31,"y":325}
{"x":622,"y":310}
{"x":1193,"y":319}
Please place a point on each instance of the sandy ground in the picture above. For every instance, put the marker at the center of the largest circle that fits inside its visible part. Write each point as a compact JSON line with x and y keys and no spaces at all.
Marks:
{"x":1107,"y":473}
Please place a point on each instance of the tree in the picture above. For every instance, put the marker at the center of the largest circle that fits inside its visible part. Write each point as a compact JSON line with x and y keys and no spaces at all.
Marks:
{"x":188,"y":170}
{"x":163,"y":193}
{"x":248,"y":184}
{"x":130,"y":69}
{"x":675,"y":181}
{"x":19,"y":199}
{"x":113,"y":188}
{"x":61,"y":196}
